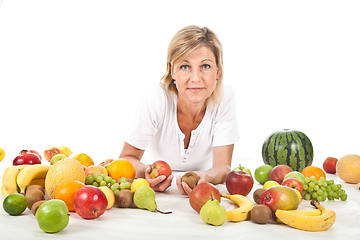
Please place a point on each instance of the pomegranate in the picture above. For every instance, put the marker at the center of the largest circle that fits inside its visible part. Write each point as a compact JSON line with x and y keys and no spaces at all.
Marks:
{"x":90,"y":202}
{"x":27,"y":157}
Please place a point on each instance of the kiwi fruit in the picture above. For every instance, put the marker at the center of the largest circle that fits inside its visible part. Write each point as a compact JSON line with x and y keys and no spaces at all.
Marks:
{"x":124,"y":198}
{"x":36,"y":205}
{"x":33,"y":196}
{"x":35,"y":187}
{"x":257,"y":194}
{"x":190,"y":178}
{"x":261,"y":214}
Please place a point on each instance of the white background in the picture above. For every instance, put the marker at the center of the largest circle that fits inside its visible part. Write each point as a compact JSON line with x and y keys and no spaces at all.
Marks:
{"x":72,"y":72}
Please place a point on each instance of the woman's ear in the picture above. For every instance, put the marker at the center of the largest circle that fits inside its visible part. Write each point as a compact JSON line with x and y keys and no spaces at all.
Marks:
{"x":218,"y":73}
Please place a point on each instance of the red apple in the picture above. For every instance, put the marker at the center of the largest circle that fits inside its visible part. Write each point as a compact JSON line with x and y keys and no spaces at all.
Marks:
{"x":51,"y":151}
{"x":329,"y":165}
{"x":160,"y":168}
{"x":90,"y":202}
{"x":293,"y":183}
{"x":239,"y":182}
{"x":106,"y":163}
{"x":278,"y":173}
{"x":201,"y":194}
{"x":37,"y":153}
{"x":280,"y":197}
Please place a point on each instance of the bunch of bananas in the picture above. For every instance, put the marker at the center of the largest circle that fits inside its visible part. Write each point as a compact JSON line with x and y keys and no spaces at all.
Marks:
{"x":319,"y":219}
{"x":17,"y":178}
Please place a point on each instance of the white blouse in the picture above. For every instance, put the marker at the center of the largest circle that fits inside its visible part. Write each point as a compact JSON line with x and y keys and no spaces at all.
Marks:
{"x":156,"y":126}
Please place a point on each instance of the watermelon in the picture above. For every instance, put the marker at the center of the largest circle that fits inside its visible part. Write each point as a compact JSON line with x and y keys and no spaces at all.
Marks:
{"x":288,"y":147}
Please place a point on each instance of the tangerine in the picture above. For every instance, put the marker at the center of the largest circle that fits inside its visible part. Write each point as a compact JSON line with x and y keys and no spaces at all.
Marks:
{"x":121,"y":168}
{"x":66,"y":192}
{"x":348,"y":168}
{"x":84,"y":159}
{"x":313,"y":171}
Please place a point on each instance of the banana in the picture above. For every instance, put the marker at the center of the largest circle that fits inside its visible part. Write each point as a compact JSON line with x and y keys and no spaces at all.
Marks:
{"x":29,"y":173}
{"x":241,"y":213}
{"x":308,"y":223}
{"x":305,"y":212}
{"x":9,"y":178}
{"x":4,"y":192}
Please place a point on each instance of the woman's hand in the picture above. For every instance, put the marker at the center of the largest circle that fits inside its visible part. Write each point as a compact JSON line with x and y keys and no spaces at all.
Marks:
{"x":183,"y":188}
{"x":160,"y":183}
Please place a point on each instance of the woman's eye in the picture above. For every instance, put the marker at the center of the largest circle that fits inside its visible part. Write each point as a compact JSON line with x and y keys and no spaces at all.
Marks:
{"x":184,"y":67}
{"x":206,"y":66}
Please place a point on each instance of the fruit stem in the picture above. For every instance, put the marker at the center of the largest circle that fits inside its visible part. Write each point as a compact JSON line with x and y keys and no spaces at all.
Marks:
{"x":162,"y":211}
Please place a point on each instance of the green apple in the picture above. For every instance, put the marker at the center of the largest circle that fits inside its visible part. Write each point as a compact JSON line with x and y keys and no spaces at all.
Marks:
{"x":295,"y":174}
{"x":262,"y":173}
{"x":240,"y":168}
{"x":52,"y":216}
{"x":56,"y":158}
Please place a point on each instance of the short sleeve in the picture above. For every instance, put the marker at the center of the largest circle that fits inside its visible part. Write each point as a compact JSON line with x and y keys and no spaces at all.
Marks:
{"x":148,"y":118}
{"x":225,"y":128}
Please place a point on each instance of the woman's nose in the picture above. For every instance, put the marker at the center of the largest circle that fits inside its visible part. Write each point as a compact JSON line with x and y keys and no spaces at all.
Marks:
{"x":195,"y":76}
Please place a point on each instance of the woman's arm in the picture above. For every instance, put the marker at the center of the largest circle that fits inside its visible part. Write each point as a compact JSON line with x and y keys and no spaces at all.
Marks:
{"x":134,"y":155}
{"x":222,"y":156}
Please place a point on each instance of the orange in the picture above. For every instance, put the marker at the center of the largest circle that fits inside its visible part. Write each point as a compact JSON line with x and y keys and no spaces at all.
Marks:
{"x":348,"y":168}
{"x":61,"y":171}
{"x":66,"y":192}
{"x":121,"y":168}
{"x":84,"y":159}
{"x":313,"y":171}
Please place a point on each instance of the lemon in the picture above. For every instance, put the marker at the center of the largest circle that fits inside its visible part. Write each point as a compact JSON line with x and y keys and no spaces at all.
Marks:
{"x":2,"y":153}
{"x":15,"y":204}
{"x":65,"y":150}
{"x":270,"y":184}
{"x":139,"y":182}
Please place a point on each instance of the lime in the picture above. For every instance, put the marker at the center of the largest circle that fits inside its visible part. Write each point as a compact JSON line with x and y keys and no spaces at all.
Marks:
{"x":15,"y":204}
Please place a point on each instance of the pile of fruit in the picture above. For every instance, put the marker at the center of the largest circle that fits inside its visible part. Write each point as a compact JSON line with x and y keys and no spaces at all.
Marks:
{"x":71,"y":183}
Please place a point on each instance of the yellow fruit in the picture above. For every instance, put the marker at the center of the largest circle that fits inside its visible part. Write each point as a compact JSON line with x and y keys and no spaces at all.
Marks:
{"x":65,"y":150}
{"x":2,"y":153}
{"x":348,"y":168}
{"x":139,"y":182}
{"x":121,"y":168}
{"x":84,"y":159}
{"x":61,"y":171}
{"x":270,"y":184}
{"x":298,"y":194}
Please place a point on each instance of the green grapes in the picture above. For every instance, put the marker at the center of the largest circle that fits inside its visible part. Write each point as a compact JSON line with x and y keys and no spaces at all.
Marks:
{"x":98,"y":180}
{"x":322,"y":189}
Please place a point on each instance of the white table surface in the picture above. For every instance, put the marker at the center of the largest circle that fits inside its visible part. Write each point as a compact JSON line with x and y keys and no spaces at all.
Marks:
{"x":184,"y":222}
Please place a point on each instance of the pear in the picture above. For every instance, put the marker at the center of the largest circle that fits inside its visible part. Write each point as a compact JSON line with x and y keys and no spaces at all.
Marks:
{"x":213,"y":212}
{"x":144,"y":197}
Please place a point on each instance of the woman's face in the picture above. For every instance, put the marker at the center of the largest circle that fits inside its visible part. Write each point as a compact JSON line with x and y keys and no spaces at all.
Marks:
{"x":196,"y":76}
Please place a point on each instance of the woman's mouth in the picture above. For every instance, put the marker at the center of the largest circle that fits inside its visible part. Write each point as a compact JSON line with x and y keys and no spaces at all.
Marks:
{"x":195,"y":90}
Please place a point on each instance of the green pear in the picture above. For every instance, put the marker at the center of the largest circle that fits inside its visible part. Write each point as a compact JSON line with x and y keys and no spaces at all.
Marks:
{"x":213,"y":212}
{"x":144,"y":197}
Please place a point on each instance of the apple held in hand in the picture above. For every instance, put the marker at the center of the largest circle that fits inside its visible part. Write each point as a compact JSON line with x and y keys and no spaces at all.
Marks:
{"x":239,"y":182}
{"x":51,"y":151}
{"x":280,"y":197}
{"x":278,"y":173}
{"x":159,"y":168}
{"x":90,"y":202}
{"x":329,"y":165}
{"x":293,"y":183}
{"x":201,"y":194}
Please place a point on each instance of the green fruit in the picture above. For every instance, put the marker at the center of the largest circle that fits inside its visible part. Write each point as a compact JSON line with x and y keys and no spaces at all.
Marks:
{"x":262,"y":173}
{"x":245,"y":169}
{"x":295,"y":174}
{"x":212,"y":212}
{"x":144,"y":197}
{"x":288,"y":147}
{"x":57,"y":158}
{"x":52,"y":216}
{"x":15,"y":204}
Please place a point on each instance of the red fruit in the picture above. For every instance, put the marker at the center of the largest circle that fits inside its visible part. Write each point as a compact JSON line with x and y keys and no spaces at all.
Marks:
{"x":159,"y":168}
{"x":278,"y":173}
{"x":239,"y":182}
{"x":293,"y":183}
{"x":90,"y":202}
{"x":201,"y":194}
{"x":26,"y":157}
{"x":51,"y":151}
{"x":329,"y":165}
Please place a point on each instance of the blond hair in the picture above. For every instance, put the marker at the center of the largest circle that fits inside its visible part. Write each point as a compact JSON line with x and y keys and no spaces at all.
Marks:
{"x":182,"y":44}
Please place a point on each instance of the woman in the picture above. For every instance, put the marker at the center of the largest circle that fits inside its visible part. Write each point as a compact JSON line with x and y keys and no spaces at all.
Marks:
{"x":188,"y":120}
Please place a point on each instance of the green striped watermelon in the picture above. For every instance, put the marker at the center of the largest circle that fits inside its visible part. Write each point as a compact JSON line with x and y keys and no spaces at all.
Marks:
{"x":288,"y":147}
